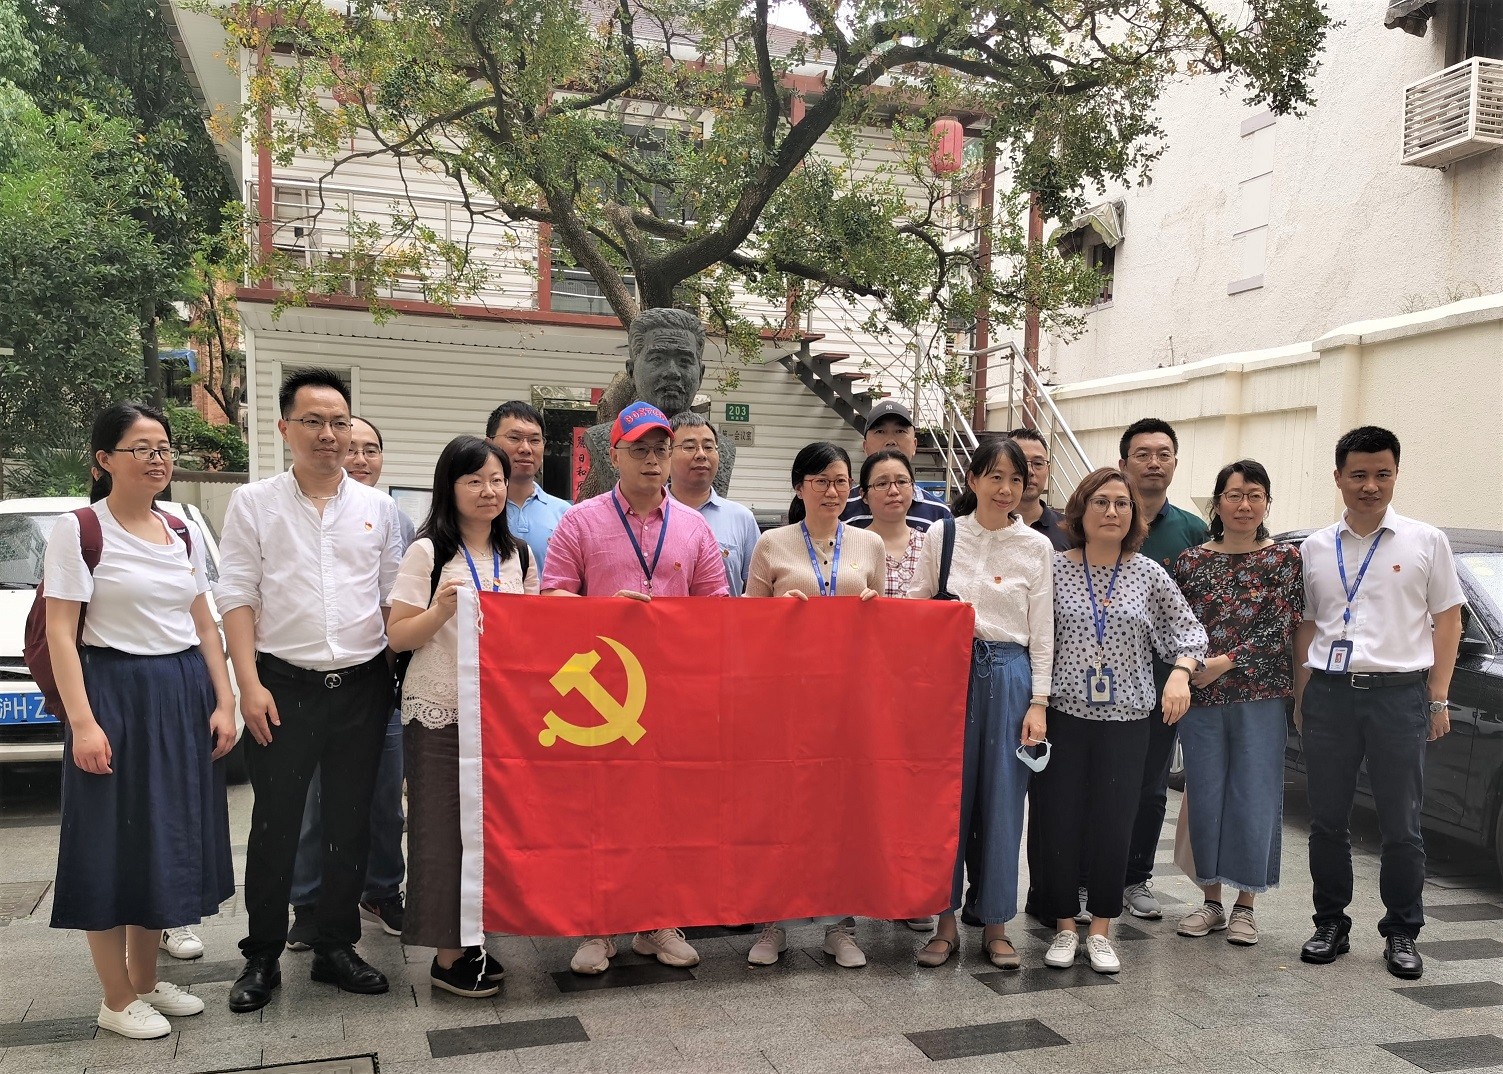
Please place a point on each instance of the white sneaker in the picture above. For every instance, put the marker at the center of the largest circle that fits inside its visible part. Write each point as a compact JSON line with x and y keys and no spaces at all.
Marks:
{"x":772,"y":943}
{"x":668,"y":946}
{"x":1061,"y":953}
{"x":181,"y":943}
{"x":139,"y":1021}
{"x":840,"y":942}
{"x":594,"y":955}
{"x":168,"y":998}
{"x":1103,"y":958}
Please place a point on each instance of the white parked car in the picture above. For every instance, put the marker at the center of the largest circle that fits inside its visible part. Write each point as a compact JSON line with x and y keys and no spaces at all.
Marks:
{"x":28,"y":732}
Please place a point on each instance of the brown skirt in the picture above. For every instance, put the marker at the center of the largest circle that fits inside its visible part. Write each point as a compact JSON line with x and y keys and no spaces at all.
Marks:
{"x":434,"y":847}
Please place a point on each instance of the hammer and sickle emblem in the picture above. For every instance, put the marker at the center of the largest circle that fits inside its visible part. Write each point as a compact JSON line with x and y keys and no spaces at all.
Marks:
{"x":621,"y":718}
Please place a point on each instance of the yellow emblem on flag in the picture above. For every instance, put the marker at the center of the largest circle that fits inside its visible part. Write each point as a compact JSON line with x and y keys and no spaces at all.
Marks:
{"x":621,"y":717}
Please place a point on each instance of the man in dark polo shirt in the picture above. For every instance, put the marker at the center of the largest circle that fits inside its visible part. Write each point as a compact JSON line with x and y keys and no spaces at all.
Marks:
{"x":1150,"y":453}
{"x":1034,"y":510}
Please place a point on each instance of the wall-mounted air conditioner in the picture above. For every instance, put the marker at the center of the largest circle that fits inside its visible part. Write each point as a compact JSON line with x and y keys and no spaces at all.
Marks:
{"x":1454,"y":113}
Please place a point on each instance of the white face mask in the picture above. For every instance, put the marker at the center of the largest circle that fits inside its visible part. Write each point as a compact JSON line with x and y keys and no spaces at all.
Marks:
{"x":1037,"y":764}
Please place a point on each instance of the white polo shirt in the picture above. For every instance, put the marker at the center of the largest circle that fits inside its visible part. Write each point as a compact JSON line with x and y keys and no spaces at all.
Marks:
{"x":1411,"y":577}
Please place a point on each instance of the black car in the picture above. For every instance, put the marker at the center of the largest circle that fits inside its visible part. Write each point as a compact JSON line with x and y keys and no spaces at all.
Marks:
{"x":1464,"y":769}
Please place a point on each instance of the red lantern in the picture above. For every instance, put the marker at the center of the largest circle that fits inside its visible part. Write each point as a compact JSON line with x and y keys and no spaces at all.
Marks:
{"x":946,"y":146}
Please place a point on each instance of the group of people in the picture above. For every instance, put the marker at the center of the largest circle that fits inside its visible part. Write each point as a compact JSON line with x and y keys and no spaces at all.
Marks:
{"x":1102,"y":632}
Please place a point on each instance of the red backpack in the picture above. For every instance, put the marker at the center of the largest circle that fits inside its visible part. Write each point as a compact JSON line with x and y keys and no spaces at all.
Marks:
{"x":35,"y":651}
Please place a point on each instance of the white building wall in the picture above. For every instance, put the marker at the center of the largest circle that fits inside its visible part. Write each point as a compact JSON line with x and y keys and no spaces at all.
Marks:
{"x":1345,"y":232}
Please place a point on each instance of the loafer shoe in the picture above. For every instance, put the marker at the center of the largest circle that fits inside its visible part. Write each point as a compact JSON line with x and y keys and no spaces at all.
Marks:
{"x":1402,"y":958}
{"x":968,"y":917}
{"x":168,"y":998}
{"x":772,"y":943}
{"x":181,"y":943}
{"x":1141,"y":903}
{"x":668,"y":946}
{"x":343,"y":967}
{"x":1332,"y":938}
{"x":252,"y":989}
{"x":593,"y":956}
{"x":840,"y":944}
{"x":1061,"y":953}
{"x":139,"y":1021}
{"x":1103,"y":958}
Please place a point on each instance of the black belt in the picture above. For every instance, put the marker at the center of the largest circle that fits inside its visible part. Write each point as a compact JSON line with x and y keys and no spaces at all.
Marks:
{"x":1377,"y":680}
{"x":329,"y":680}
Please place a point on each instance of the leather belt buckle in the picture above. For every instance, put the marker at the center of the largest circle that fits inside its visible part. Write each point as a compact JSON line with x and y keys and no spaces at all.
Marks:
{"x":332,"y":680}
{"x":1359,"y":681}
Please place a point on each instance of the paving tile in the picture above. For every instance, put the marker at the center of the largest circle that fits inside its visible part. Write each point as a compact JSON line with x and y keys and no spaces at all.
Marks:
{"x":1468,"y":881}
{"x":18,"y":900}
{"x":505,"y":1036}
{"x":198,"y":971}
{"x":989,"y":1039}
{"x":1461,"y":950}
{"x":647,"y":973}
{"x":1451,"y":1053}
{"x":1465,"y":911}
{"x":48,"y":1031}
{"x":1449,"y":997}
{"x":1011,"y":982}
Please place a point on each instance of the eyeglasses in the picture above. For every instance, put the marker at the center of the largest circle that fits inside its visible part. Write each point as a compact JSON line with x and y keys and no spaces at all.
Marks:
{"x":825,"y":484}
{"x":882,"y":484}
{"x":1038,"y":464}
{"x":146,"y":454}
{"x":534,"y":442}
{"x":1144,"y":455}
{"x":642,"y":451}
{"x":477,"y":485}
{"x":691,"y":448}
{"x":314,"y":425}
{"x":1101,"y":503}
{"x":1253,"y":499}
{"x":371,"y":452}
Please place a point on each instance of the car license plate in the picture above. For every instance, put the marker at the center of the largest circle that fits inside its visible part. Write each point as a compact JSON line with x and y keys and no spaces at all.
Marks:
{"x":24,"y":708}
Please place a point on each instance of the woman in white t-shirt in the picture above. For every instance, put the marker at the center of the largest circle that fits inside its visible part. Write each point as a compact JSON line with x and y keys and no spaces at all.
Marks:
{"x":145,"y":842}
{"x":466,"y":532}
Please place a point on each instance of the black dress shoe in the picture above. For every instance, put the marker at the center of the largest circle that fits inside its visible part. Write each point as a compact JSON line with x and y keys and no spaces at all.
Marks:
{"x":1331,"y":939}
{"x":252,"y":989}
{"x":343,"y":967}
{"x":968,"y":917}
{"x":1402,"y":958}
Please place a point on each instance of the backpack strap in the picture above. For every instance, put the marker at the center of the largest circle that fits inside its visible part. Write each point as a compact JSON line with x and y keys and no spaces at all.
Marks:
{"x":177,"y":526}
{"x":525,"y":555}
{"x":90,"y":537}
{"x":946,"y":554}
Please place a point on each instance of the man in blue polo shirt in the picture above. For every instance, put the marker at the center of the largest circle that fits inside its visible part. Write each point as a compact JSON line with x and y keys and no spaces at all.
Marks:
{"x":692,"y":469}
{"x":890,"y":425}
{"x":532,"y":514}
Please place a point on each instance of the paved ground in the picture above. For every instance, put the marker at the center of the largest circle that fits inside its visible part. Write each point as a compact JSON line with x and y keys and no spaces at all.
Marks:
{"x":1198,"y":1006}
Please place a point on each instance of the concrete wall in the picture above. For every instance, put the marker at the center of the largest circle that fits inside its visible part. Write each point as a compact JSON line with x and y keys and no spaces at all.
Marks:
{"x":1434,"y":378}
{"x":1345,"y":231}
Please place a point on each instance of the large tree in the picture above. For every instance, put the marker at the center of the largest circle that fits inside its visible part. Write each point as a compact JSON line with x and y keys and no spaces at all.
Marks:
{"x":687,"y":146}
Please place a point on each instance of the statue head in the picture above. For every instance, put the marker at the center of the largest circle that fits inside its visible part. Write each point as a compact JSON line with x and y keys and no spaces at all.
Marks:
{"x":666,"y":362}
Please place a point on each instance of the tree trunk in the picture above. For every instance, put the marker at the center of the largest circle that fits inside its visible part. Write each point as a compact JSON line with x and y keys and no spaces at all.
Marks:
{"x":151,"y":362}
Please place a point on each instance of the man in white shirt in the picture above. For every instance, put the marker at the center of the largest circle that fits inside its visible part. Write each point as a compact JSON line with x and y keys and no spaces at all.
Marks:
{"x":1371,"y":679}
{"x":307,"y":564}
{"x":696,"y":459}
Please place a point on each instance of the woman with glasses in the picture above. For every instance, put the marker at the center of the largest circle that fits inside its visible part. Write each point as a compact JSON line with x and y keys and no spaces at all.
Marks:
{"x":817,"y":555}
{"x":1003,"y":568}
{"x":887,"y":489}
{"x":464,"y":542}
{"x":1113,"y":610}
{"x":1250,"y":594}
{"x":145,"y":841}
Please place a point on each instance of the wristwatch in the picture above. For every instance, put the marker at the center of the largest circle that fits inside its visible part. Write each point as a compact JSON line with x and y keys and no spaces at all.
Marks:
{"x":1437,"y":707}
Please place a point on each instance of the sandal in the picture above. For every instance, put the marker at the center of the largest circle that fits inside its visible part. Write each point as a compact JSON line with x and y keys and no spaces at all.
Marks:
{"x":931,"y":957}
{"x":1003,"y":960}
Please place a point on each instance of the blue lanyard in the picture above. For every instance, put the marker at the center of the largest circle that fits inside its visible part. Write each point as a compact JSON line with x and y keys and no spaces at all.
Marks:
{"x":824,"y":591}
{"x":1351,"y":591}
{"x":495,"y":567}
{"x":647,"y":571}
{"x":1098,"y":614}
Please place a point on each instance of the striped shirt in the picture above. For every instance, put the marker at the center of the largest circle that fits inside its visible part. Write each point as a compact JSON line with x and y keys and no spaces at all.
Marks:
{"x":925,"y":511}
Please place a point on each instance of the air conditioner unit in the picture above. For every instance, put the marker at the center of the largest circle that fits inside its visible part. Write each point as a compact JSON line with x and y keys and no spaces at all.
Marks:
{"x":1453,"y":114}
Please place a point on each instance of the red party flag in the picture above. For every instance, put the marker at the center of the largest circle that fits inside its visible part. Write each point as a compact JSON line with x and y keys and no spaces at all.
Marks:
{"x":696,"y":760}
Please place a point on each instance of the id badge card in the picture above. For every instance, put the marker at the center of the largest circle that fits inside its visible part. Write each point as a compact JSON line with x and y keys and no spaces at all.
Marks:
{"x":1100,"y":690}
{"x":1341,"y":656}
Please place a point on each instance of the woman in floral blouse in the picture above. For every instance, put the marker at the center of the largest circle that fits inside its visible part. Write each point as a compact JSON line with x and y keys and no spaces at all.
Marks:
{"x":1249,"y":593}
{"x":887,"y":486}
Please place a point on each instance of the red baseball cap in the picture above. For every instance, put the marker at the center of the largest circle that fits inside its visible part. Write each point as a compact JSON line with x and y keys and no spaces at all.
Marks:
{"x":636,"y":420}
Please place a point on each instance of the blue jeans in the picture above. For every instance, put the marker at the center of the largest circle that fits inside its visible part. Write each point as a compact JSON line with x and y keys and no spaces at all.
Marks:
{"x":384,"y":868}
{"x":1234,"y":790}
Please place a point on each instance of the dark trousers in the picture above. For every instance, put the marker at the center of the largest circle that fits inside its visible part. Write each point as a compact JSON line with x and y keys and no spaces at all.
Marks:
{"x":1153,"y":797}
{"x":340,"y":730}
{"x":1388,"y":727}
{"x":1083,"y":813}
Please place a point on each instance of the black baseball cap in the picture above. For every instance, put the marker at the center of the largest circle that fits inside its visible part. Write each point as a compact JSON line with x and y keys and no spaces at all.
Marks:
{"x":887,"y":408}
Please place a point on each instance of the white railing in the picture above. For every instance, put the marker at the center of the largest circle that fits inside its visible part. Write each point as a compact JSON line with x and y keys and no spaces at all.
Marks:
{"x":1029,"y":403}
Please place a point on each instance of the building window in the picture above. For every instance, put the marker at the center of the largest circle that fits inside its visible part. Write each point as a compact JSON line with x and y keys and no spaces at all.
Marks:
{"x":1254,"y":190}
{"x":1475,"y":29}
{"x":1093,"y":237}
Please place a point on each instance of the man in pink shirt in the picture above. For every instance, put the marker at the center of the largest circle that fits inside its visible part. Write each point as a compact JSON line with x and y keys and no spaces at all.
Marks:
{"x":631,"y":542}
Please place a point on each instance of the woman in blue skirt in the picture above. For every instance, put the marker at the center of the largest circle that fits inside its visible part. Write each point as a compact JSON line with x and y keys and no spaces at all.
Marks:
{"x":1004,"y":569}
{"x":145,"y":840}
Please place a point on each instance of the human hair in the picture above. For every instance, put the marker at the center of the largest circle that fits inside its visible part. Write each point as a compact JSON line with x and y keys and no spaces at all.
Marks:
{"x":380,"y":440}
{"x":309,"y":378}
{"x":512,"y":408}
{"x":813,"y":459}
{"x":110,"y":425}
{"x":663,"y":317}
{"x":1366,"y":440}
{"x":692,"y":419}
{"x":885,"y":455}
{"x":1025,"y":433}
{"x":991,"y":450}
{"x":1143,"y":426}
{"x":1075,"y":510}
{"x":462,"y":456}
{"x":1253,"y":473}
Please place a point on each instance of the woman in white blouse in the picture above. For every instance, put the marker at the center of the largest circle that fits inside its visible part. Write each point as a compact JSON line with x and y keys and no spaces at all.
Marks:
{"x":145,"y":839}
{"x":1004,"y":569}
{"x":466,"y":538}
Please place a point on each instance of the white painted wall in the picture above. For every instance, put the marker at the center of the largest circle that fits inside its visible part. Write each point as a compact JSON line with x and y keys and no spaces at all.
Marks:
{"x":1350,"y":233}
